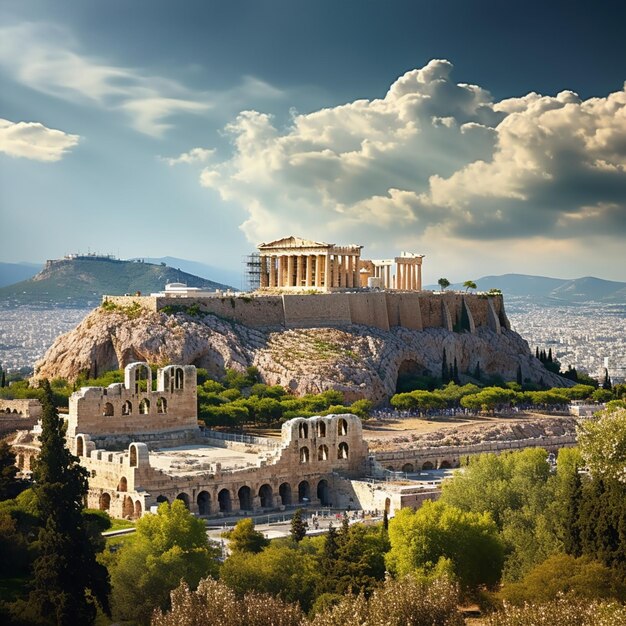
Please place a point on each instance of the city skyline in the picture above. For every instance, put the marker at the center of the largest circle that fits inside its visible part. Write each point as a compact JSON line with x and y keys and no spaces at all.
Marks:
{"x":490,"y":142}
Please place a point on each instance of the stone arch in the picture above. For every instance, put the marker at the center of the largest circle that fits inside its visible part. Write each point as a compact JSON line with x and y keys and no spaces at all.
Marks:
{"x":304,"y":491}
{"x":342,"y":450}
{"x":138,"y":509}
{"x":133,"y":455}
{"x":320,"y":428}
{"x":342,"y":427}
{"x":144,"y":407}
{"x":304,"y":455}
{"x":123,"y":484}
{"x":223,"y":499}
{"x":184,"y":497}
{"x":161,"y":499}
{"x":108,"y":410}
{"x":80,"y":445}
{"x":408,"y":468}
{"x":127,"y":408}
{"x":162,"y":405}
{"x":134,"y":376}
{"x":105,"y":502}
{"x":303,"y":430}
{"x":284,"y":491}
{"x":266,"y":496}
{"x":245,"y":498}
{"x":179,"y":379}
{"x":427,"y":465}
{"x":128,"y":508}
{"x":204,"y":503}
{"x":323,"y":492}
{"x":445,"y":464}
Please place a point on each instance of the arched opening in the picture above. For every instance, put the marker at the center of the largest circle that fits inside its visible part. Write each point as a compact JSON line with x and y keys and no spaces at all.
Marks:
{"x":427,"y":466}
{"x":20,"y":461}
{"x":133,"y":456}
{"x":304,"y":492}
{"x":245,"y":498}
{"x":320,"y":428}
{"x":284,"y":491}
{"x":144,"y":407}
{"x":304,"y":455}
{"x":266,"y":496}
{"x":161,"y":405}
{"x":342,"y":427}
{"x":387,"y":505}
{"x":108,"y":410}
{"x":142,"y":375}
{"x":105,"y":502}
{"x":411,"y":375}
{"x":128,"y":508}
{"x":303,"y":430}
{"x":161,"y":499}
{"x":342,"y":450}
{"x":184,"y":497}
{"x":323,"y":493}
{"x":223,"y":498}
{"x":80,"y":446}
{"x":322,"y":453}
{"x":138,"y":509}
{"x":127,"y":408}
{"x":179,"y":378}
{"x":204,"y":503}
{"x":408,"y":468}
{"x":445,"y":465}
{"x":123,"y":484}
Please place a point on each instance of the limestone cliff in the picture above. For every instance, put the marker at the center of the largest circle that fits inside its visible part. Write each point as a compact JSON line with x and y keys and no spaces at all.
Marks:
{"x":361,"y":361}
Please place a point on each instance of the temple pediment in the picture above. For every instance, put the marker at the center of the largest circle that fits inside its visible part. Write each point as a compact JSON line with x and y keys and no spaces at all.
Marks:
{"x":294,"y":242}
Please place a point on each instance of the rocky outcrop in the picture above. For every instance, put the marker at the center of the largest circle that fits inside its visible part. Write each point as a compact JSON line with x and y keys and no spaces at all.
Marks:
{"x":361,"y":361}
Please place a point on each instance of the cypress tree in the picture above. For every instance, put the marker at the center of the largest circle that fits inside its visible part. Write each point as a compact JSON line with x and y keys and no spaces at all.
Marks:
{"x":444,"y":367}
{"x":520,"y":380}
{"x":385,"y":520}
{"x":607,"y":380}
{"x":68,"y":581}
{"x":571,"y":522}
{"x":3,"y":379}
{"x":536,"y":352}
{"x":298,"y":526}
{"x":477,"y":371}
{"x":550,"y":355}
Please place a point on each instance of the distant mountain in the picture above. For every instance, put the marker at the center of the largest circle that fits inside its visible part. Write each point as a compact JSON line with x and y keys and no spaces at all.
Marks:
{"x":14,"y":272}
{"x":554,"y":289}
{"x":84,"y":280}
{"x":210,"y":272}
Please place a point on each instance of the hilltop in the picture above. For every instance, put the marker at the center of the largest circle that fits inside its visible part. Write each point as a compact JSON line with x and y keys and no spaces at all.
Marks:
{"x":551,"y":290}
{"x":83,"y":281}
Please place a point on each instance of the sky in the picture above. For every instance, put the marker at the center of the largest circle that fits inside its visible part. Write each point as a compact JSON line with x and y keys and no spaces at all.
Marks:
{"x":489,"y":136}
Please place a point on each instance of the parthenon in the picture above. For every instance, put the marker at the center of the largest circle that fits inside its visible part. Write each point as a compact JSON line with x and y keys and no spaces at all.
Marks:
{"x":296,"y":264}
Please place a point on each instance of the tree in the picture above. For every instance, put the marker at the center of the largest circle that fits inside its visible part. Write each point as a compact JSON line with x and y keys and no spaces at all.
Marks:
{"x":67,"y":581}
{"x":167,"y":547}
{"x":10,"y":485}
{"x":469,"y":284}
{"x":606,"y":384}
{"x":243,"y":537}
{"x":444,"y":283}
{"x":298,"y":526}
{"x":421,"y":539}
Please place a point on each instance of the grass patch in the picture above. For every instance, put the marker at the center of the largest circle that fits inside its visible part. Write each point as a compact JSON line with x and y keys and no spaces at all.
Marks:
{"x":120,"y":524}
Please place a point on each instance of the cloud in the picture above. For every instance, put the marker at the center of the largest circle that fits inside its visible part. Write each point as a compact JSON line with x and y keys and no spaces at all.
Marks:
{"x":45,"y":57}
{"x":433,"y":161}
{"x":32,"y":140}
{"x":195,"y":155}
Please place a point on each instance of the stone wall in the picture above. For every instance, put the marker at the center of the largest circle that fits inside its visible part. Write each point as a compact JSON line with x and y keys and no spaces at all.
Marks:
{"x":416,"y":310}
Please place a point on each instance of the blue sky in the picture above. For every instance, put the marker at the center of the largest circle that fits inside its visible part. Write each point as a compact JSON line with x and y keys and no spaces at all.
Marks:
{"x":489,"y":136}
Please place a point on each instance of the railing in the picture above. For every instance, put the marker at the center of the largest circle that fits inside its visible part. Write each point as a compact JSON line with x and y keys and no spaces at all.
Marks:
{"x":240,"y":438}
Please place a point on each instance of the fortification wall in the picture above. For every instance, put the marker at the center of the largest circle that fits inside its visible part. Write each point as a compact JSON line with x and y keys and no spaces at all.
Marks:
{"x":383,"y":309}
{"x":307,"y":311}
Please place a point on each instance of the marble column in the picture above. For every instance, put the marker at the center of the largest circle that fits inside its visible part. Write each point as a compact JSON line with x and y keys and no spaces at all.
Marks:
{"x":272,"y":272}
{"x":399,"y":276}
{"x":388,"y":277}
{"x":319,"y":268}
{"x":419,"y":276}
{"x":350,"y":276}
{"x":289,"y":278}
{"x":299,"y":270}
{"x":327,"y":284}
{"x":309,"y":270}
{"x":263,"y":279}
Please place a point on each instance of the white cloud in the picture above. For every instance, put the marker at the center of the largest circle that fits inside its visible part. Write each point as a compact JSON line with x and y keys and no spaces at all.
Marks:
{"x":431,"y":162}
{"x":45,"y":58}
{"x":195,"y":155}
{"x":35,"y":141}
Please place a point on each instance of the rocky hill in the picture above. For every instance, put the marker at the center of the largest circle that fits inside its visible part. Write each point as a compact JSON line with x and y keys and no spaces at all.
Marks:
{"x":360,"y":361}
{"x":84,"y":280}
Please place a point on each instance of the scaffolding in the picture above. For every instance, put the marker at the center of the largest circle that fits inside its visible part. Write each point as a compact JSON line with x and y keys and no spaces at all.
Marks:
{"x":251,"y":272}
